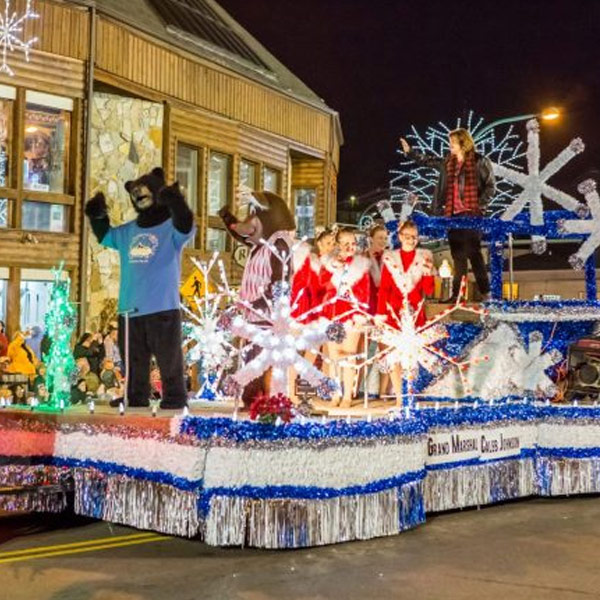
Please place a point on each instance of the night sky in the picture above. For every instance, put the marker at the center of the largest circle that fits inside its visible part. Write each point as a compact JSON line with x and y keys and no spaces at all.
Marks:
{"x":384,"y":65}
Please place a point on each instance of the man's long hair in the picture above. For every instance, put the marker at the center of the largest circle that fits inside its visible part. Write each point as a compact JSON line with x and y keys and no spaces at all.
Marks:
{"x":464,"y":139}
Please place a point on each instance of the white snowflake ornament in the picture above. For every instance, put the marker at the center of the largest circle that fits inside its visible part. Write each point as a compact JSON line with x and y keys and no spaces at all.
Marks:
{"x":533,"y":362}
{"x":535,"y":184}
{"x":589,"y":226}
{"x":11,"y":28}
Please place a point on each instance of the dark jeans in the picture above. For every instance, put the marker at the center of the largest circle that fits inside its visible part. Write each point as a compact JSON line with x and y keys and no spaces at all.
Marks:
{"x":465,"y":245}
{"x":158,"y":334}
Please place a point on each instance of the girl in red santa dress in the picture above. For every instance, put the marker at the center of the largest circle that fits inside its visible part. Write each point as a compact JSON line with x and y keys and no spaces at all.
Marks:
{"x":306,"y":292}
{"x":345,"y":275}
{"x":407,"y":274}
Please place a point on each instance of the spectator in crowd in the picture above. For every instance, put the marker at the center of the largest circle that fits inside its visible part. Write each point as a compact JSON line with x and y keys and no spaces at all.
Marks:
{"x":22,"y":358}
{"x":3,"y":340}
{"x":111,"y":346}
{"x":89,"y":347}
{"x":35,"y":341}
{"x":91,"y":379}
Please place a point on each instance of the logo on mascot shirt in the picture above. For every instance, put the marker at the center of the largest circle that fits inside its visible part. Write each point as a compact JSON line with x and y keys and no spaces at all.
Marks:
{"x":142,"y":247}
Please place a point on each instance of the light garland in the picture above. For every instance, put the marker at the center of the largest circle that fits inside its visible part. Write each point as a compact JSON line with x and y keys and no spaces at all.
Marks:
{"x":11,"y":28}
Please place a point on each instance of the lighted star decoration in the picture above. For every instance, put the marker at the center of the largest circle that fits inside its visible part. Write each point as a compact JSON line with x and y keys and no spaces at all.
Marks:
{"x":414,"y":346}
{"x":205,"y":335}
{"x":590,"y":226}
{"x":283,"y":339}
{"x":535,"y":184}
{"x":11,"y":29}
{"x":533,"y":362}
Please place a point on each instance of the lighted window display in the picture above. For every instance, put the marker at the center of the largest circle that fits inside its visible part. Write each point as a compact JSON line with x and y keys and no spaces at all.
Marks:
{"x":218,"y":182}
{"x":271,"y":180}
{"x":46,"y":142}
{"x":42,"y":216}
{"x":248,"y":172}
{"x":216,"y":240}
{"x":4,"y":214}
{"x":305,"y":212}
{"x":6,"y":107}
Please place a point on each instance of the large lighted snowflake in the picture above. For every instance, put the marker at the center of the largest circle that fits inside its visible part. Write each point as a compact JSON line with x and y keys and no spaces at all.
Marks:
{"x":502,"y":146}
{"x":282,"y":339}
{"x":589,"y":226}
{"x":533,"y":362}
{"x":11,"y":28}
{"x":414,"y":346}
{"x":535,"y":184}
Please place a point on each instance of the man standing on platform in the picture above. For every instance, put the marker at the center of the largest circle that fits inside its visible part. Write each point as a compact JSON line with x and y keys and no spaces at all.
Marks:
{"x":465,"y":186}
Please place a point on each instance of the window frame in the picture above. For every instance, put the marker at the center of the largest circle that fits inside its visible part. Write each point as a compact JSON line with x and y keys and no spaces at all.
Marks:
{"x":15,"y":191}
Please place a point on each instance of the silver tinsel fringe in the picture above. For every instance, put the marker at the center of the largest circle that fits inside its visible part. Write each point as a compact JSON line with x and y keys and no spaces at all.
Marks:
{"x":51,"y":499}
{"x":566,"y":476}
{"x":477,"y":485}
{"x":136,"y":502}
{"x":290,"y":523}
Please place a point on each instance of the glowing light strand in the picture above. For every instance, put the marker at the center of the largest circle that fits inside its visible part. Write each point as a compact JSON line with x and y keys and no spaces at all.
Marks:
{"x":11,"y":28}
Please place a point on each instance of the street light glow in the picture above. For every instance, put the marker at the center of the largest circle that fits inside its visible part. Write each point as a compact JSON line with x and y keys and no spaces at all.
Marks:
{"x":550,"y":114}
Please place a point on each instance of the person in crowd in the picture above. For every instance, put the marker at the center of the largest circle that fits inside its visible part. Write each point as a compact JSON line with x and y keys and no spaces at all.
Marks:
{"x":89,"y":347}
{"x":155,"y":381}
{"x":19,"y":394}
{"x":111,"y":346}
{"x":345,"y":275}
{"x":407,"y":275}
{"x":22,"y":358}
{"x":465,"y":186}
{"x":42,"y":394}
{"x":91,"y":379}
{"x":110,"y":379}
{"x":3,"y":340}
{"x":35,"y":341}
{"x":79,"y":392}
{"x":40,"y":378}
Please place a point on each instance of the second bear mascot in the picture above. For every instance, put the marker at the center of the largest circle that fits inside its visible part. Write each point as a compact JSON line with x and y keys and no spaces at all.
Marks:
{"x":150,"y":248}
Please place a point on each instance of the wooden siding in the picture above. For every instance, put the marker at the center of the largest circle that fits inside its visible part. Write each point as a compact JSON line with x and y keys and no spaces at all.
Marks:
{"x":128,"y":55}
{"x":61,"y":29}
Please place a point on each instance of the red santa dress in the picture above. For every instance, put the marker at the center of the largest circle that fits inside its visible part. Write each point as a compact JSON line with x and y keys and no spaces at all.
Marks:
{"x":346,"y":279}
{"x":305,"y":283}
{"x":405,"y":275}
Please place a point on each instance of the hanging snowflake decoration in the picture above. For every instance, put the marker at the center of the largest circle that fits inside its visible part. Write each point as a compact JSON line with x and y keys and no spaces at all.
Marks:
{"x":283,"y":340}
{"x":504,"y":147}
{"x":535,"y":185}
{"x":589,"y":226}
{"x":11,"y":28}
{"x":533,"y":362}
{"x":207,"y":341}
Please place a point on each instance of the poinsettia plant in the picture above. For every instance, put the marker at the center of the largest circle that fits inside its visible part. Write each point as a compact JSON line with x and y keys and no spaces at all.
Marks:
{"x":266,"y":409}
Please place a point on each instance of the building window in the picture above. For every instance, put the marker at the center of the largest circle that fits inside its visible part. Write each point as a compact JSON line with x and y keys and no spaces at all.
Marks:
{"x":4,"y":212}
{"x":186,"y":172}
{"x":304,"y":201}
{"x":43,"y":216}
{"x":3,"y":296}
{"x":219,"y":178}
{"x":216,"y":240}
{"x":7,"y":96}
{"x":271,"y":180}
{"x":248,"y":174}
{"x":36,"y":285}
{"x":46,"y":142}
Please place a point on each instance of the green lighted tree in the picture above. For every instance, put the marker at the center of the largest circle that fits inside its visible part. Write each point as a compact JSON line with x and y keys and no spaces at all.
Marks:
{"x":60,"y":323}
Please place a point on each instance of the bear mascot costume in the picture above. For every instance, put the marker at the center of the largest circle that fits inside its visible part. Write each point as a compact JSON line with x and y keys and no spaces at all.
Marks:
{"x":149,"y":248}
{"x":269,"y":223}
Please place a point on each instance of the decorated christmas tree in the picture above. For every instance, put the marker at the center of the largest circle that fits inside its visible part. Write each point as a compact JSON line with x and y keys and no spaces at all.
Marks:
{"x":60,"y":323}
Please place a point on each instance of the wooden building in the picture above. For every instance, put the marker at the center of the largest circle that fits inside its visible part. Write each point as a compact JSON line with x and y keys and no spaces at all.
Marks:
{"x":113,"y":88}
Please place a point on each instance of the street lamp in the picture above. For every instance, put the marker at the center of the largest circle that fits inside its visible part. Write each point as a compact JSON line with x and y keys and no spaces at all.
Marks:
{"x":548,"y":114}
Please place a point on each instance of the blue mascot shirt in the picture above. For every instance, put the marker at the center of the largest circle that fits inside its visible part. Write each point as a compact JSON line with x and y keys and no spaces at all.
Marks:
{"x":150,"y":265}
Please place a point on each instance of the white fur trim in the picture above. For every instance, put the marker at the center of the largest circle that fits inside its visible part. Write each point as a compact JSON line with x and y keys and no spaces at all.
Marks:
{"x":345,"y":276}
{"x":301,"y":253}
{"x":406,"y":281}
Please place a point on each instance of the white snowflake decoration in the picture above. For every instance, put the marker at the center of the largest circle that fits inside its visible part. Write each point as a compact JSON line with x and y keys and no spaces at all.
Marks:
{"x":412,"y":346}
{"x":531,"y":375}
{"x":281,"y":337}
{"x":504,"y":148}
{"x":535,"y":184}
{"x":11,"y":27}
{"x":209,"y":342}
{"x":589,"y":226}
